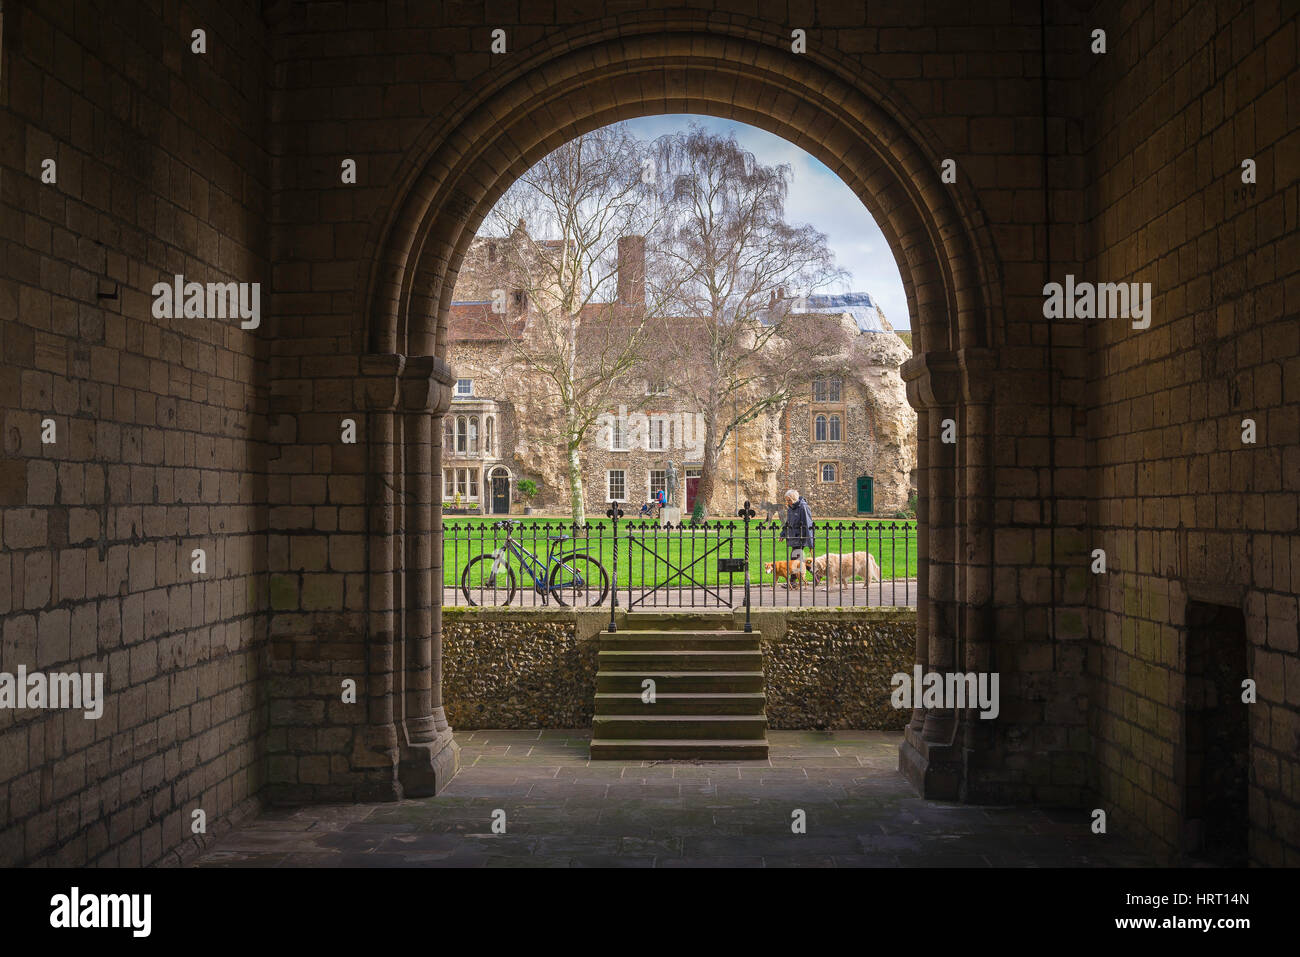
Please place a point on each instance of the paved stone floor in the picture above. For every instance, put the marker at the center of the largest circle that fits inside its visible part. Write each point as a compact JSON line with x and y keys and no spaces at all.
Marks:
{"x":563,"y":809}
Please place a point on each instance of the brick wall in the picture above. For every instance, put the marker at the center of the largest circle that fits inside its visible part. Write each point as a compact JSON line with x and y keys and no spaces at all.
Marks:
{"x":159,"y":423}
{"x":1184,"y":509}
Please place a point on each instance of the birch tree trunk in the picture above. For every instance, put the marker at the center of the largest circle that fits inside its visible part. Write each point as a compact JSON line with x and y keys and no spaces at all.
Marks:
{"x":577,"y":501}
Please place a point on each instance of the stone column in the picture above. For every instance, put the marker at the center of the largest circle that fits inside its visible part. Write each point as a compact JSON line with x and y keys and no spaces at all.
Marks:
{"x":932,"y":380}
{"x":406,"y":735}
{"x":430,"y":756}
{"x":917,"y":723}
{"x":938,"y":393}
{"x":977,"y":374}
{"x":377,"y":748}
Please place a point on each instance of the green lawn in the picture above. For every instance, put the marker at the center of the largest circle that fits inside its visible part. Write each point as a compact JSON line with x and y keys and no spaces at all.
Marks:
{"x":891,"y":541}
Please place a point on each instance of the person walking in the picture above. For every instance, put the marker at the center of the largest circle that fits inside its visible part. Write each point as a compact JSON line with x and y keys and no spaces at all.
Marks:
{"x":798,"y":531}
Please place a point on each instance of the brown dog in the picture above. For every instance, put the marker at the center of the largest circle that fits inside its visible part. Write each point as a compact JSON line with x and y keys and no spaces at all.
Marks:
{"x":784,"y":570}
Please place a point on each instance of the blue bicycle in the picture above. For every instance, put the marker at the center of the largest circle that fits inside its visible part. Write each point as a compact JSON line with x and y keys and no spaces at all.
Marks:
{"x":574,"y":579}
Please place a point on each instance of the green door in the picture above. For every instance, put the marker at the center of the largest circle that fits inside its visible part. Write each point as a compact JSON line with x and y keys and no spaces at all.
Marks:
{"x":865,"y":496}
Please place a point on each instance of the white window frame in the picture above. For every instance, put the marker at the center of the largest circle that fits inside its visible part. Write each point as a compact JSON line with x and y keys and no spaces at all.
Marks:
{"x":658,"y":428}
{"x":821,"y":472}
{"x":468,"y":389}
{"x":650,"y":483}
{"x":618,"y":436}
{"x":609,"y":484}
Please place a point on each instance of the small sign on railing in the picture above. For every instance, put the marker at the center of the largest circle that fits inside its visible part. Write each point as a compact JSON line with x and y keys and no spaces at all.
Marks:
{"x":730,"y":565}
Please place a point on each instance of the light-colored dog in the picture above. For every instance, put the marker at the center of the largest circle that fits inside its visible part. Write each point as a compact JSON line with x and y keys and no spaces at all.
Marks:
{"x":843,"y":567}
{"x":788,"y":570}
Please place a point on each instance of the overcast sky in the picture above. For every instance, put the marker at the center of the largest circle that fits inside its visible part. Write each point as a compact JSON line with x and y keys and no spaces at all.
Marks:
{"x":819,"y":197}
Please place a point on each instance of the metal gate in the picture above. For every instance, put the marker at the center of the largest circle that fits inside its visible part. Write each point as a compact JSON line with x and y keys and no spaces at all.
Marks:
{"x":683,"y":565}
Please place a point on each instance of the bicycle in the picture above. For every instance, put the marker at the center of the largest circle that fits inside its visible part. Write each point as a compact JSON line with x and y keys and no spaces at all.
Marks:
{"x":575,"y":575}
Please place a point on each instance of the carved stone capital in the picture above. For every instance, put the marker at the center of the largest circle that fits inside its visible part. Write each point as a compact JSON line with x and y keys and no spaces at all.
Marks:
{"x":426,"y":385}
{"x":380,"y":375}
{"x":933,"y":380}
{"x":977,"y":374}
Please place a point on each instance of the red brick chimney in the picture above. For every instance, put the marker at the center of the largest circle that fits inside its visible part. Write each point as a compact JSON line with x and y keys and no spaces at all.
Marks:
{"x":631,"y":270}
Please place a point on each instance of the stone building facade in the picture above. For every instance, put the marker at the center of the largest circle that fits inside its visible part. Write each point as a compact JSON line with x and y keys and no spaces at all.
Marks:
{"x":846,"y":439}
{"x":479,"y":468}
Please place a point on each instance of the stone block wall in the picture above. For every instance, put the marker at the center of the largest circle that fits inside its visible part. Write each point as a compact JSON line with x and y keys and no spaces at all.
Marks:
{"x":159,"y":423}
{"x":184,"y":433}
{"x":1184,"y":508}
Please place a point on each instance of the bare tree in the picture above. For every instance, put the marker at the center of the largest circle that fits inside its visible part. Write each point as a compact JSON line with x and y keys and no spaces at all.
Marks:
{"x":562,"y":221}
{"x":724,"y":248}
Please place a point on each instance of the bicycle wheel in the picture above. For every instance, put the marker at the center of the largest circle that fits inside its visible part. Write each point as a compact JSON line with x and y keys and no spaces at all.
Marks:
{"x":481,"y":587}
{"x":579,"y":580}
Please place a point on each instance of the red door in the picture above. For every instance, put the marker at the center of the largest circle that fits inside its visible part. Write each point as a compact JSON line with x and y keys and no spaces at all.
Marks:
{"x":691,"y":482}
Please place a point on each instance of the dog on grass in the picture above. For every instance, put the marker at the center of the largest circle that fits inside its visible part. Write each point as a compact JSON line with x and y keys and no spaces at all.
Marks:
{"x":846,"y":566}
{"x":788,"y":570}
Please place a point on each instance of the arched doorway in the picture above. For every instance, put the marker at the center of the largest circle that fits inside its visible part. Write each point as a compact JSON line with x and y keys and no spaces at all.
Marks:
{"x":499,"y":480}
{"x":677,"y":63}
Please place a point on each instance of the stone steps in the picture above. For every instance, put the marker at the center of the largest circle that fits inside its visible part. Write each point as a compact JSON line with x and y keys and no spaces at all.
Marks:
{"x":649,"y":749}
{"x":681,"y":659}
{"x":708,"y":680}
{"x":680,"y":681}
{"x":679,"y":621}
{"x":684,"y":703}
{"x":664,"y":639}
{"x":674,"y":726}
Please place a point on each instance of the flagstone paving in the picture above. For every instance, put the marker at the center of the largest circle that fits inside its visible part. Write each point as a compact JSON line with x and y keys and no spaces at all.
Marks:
{"x":564,"y":810}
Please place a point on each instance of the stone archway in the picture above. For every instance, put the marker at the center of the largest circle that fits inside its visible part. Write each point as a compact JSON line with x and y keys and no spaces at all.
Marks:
{"x":677,"y":63}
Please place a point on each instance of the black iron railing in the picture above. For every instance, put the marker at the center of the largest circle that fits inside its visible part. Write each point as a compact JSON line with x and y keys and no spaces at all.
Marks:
{"x":642,"y":564}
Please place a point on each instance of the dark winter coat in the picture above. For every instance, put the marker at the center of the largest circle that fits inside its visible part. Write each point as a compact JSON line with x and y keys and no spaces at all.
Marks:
{"x":798,"y":531}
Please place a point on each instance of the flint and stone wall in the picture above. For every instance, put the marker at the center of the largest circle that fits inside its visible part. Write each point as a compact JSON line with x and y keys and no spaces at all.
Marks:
{"x":825,"y":669}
